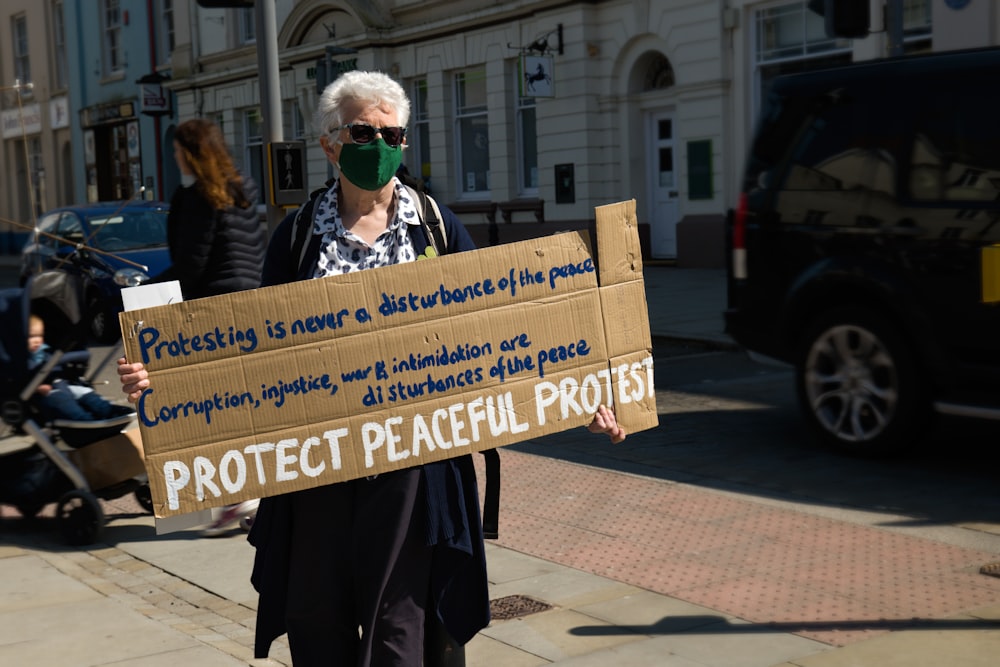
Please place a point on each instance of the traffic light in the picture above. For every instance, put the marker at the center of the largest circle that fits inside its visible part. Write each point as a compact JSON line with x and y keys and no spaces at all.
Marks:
{"x":843,"y":18}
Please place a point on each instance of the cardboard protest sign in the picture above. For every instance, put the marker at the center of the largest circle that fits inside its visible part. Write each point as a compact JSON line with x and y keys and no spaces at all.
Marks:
{"x":282,"y":388}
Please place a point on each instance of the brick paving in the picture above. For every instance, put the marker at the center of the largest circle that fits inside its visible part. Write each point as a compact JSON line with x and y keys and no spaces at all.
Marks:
{"x":827,"y":580}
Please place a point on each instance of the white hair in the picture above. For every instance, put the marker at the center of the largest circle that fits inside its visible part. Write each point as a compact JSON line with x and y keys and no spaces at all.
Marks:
{"x":357,"y":86}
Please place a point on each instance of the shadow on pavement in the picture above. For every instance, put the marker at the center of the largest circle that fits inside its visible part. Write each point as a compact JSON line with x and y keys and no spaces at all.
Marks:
{"x":715,"y":625}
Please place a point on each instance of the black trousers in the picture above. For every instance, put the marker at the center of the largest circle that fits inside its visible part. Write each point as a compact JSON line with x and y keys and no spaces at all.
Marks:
{"x":360,"y":569}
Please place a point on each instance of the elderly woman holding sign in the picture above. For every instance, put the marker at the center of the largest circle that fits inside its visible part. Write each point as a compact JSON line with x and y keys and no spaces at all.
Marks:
{"x":376,"y":553}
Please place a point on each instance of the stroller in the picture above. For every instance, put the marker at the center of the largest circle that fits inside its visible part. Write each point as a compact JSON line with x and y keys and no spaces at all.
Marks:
{"x":36,"y":453}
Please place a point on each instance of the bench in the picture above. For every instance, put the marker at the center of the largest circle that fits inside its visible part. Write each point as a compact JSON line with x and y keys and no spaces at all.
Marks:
{"x":487,"y":208}
{"x":535,"y":206}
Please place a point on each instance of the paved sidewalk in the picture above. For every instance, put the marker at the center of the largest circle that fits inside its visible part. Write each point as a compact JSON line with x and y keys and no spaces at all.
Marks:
{"x":632,"y":570}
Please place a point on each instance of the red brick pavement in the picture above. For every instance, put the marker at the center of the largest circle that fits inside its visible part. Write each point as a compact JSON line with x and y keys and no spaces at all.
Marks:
{"x":833,"y":581}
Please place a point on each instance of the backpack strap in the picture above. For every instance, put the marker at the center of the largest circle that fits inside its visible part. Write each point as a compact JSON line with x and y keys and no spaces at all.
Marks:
{"x":301,"y":230}
{"x":430,"y":220}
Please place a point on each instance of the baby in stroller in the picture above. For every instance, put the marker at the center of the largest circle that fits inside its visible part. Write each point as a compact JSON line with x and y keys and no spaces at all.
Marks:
{"x":62,"y":397}
{"x":42,"y":443}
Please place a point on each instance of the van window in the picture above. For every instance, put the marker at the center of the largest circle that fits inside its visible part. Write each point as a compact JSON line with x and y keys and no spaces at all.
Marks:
{"x":850,"y":142}
{"x":956,"y":147}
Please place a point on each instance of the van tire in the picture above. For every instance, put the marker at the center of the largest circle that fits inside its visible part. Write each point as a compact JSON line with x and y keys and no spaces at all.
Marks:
{"x":858,"y":383}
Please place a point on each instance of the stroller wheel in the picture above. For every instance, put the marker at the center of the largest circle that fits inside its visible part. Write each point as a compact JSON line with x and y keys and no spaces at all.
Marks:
{"x":81,"y":519}
{"x":145,"y":497}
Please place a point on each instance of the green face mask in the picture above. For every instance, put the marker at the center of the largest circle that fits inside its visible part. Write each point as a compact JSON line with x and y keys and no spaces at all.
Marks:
{"x":370,"y":166}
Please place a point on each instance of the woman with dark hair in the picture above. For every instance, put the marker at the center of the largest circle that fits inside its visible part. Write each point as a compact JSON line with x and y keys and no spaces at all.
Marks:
{"x":216,"y":238}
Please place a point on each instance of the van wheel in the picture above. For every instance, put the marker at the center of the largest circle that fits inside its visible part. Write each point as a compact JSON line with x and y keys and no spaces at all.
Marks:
{"x":858,"y":384}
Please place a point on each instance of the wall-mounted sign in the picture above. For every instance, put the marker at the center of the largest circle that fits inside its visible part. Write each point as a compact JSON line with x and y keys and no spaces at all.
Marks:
{"x":536,"y":76}
{"x":106,"y":113}
{"x":59,"y":112}
{"x":153,"y":99}
{"x":326,"y":71}
{"x":23,"y":121}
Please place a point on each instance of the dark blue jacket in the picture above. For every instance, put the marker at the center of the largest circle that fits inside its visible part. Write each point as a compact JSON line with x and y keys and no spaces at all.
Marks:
{"x":214,"y":251}
{"x":458,"y":577}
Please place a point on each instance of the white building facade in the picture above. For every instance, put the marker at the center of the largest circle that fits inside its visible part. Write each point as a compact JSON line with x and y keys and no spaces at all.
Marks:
{"x":652,"y":100}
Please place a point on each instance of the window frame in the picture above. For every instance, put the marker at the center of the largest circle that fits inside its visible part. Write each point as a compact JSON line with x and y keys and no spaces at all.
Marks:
{"x":418,"y":134}
{"x":298,"y":121}
{"x":111,"y":38}
{"x":167,"y":30}
{"x":60,"y":64}
{"x":813,"y":49}
{"x":465,"y":114}
{"x":526,"y":154}
{"x":247,"y":27}
{"x":20,"y":48}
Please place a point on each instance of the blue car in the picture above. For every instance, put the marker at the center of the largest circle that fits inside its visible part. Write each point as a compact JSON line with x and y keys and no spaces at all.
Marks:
{"x":108,"y":245}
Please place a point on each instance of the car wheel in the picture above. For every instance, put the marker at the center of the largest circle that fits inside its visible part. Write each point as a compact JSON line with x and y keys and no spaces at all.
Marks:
{"x":858,"y":383}
{"x":103,"y":323}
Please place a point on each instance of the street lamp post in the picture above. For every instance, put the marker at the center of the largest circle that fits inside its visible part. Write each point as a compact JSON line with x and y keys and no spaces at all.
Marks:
{"x":270,"y":88}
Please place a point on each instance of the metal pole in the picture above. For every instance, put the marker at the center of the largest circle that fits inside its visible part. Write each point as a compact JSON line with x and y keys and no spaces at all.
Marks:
{"x":18,"y":86}
{"x":270,"y":89}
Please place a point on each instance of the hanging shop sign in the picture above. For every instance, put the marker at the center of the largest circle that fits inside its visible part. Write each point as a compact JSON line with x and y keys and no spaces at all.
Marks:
{"x":154,"y":100}
{"x":23,"y":121}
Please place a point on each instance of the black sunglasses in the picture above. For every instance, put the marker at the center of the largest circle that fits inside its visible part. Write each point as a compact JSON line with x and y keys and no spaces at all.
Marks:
{"x":363,"y":133}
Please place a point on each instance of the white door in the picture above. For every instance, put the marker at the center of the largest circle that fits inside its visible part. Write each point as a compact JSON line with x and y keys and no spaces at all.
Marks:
{"x":662,"y":168}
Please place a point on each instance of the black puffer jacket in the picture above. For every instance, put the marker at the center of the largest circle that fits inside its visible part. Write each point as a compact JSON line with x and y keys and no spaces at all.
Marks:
{"x":214,"y":251}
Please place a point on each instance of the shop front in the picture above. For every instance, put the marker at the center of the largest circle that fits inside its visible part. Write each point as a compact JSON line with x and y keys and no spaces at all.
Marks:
{"x":112,"y":156}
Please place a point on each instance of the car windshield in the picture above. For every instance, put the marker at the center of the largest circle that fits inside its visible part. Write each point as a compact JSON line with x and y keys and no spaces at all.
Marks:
{"x":128,"y":230}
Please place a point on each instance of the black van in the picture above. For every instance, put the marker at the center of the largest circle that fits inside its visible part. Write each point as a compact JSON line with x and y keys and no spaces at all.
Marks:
{"x":861,"y":244}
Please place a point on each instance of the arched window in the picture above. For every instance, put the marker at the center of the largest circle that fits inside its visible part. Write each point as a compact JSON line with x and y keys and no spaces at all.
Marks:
{"x":652,"y":71}
{"x":659,"y":74}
